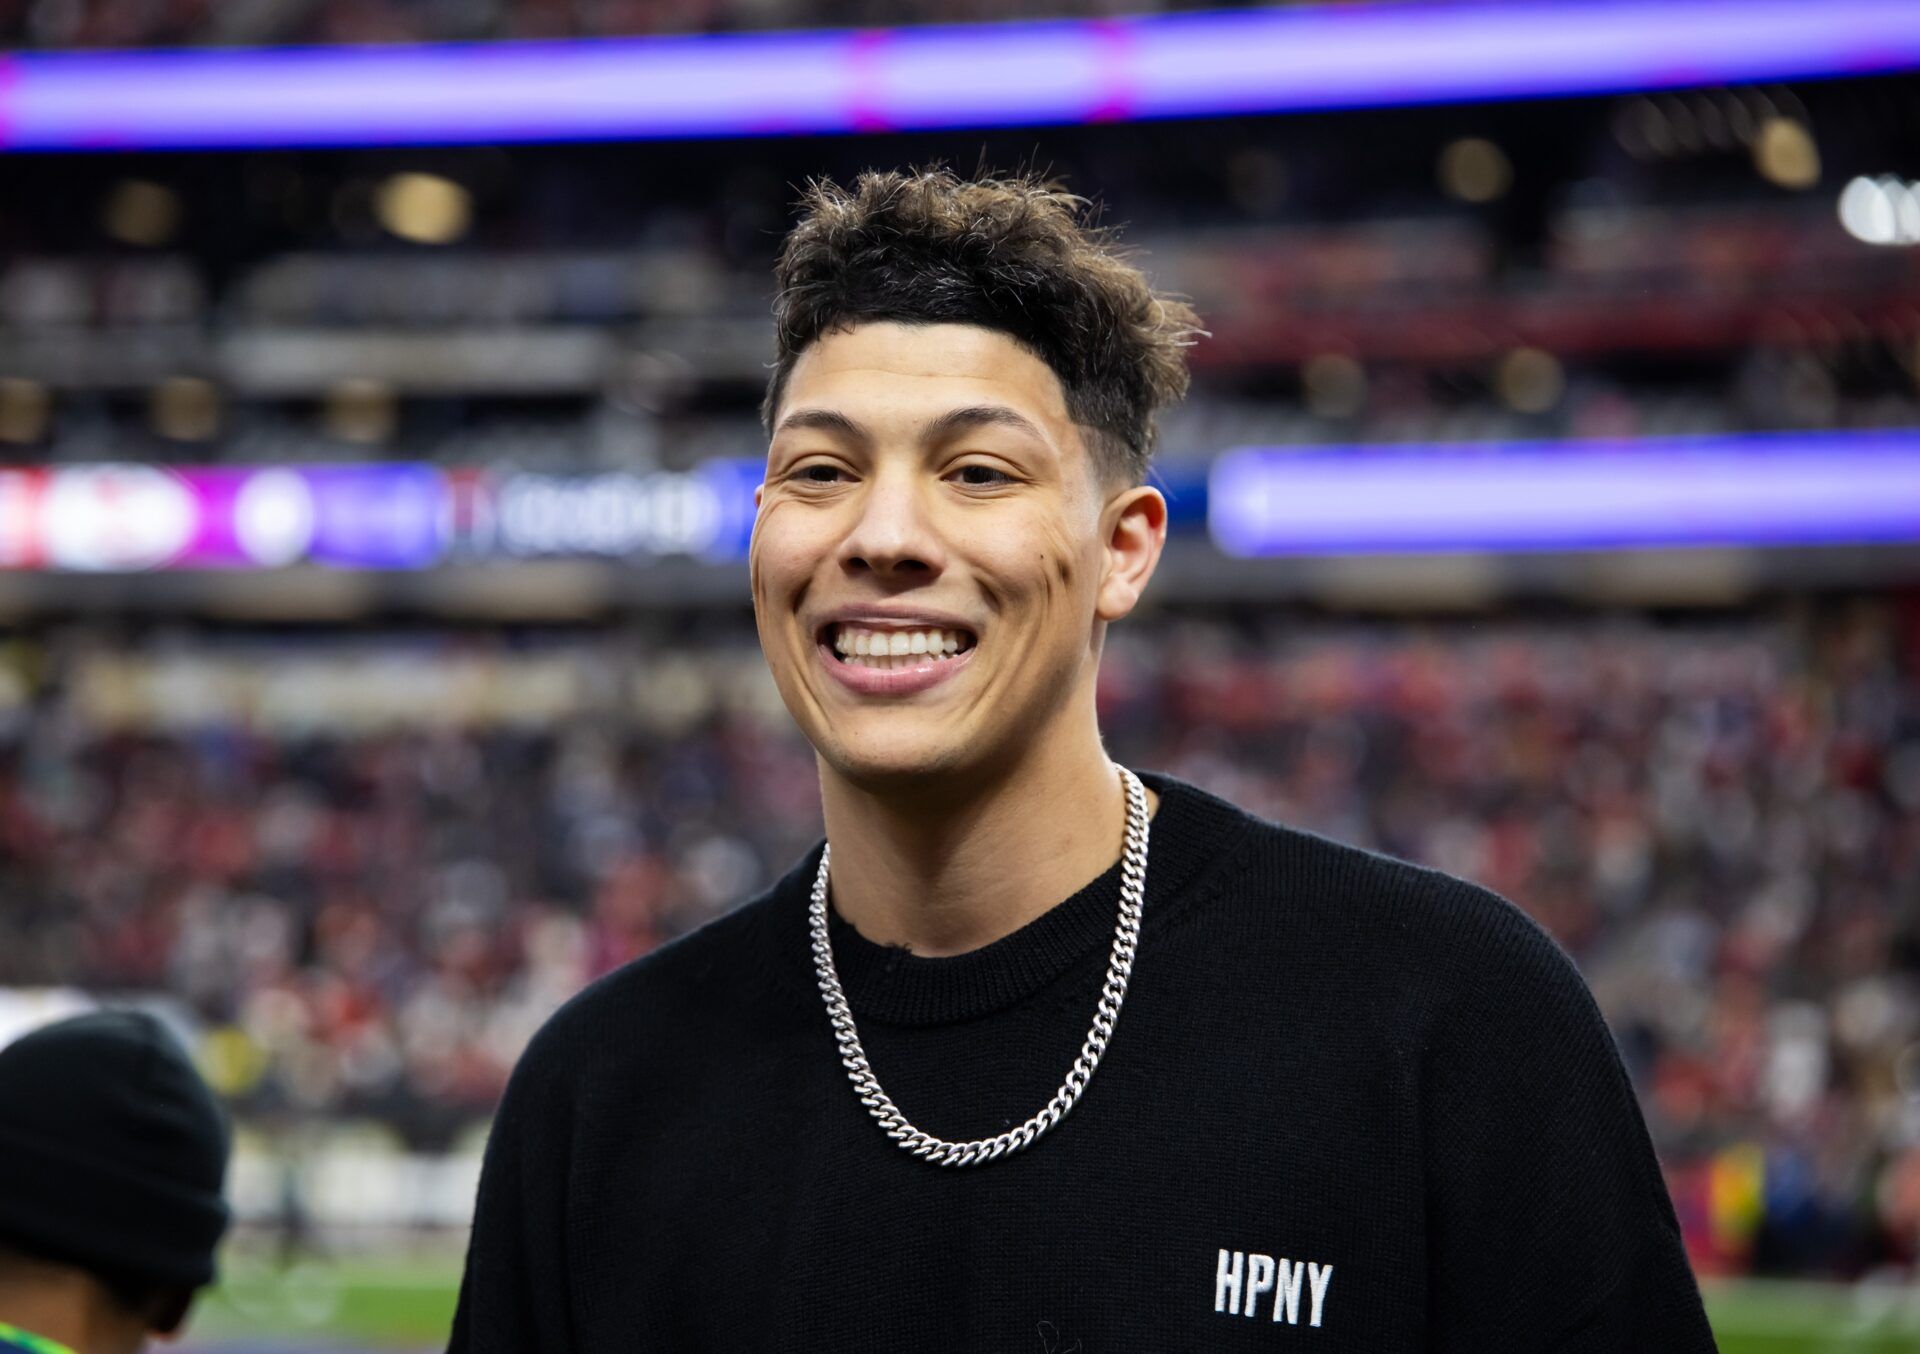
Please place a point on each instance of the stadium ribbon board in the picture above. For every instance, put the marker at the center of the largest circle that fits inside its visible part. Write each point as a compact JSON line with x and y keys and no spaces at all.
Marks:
{"x":1188,"y":65}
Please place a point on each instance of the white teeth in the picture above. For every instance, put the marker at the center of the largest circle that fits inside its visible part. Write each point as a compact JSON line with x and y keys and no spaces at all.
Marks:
{"x":888,"y":649}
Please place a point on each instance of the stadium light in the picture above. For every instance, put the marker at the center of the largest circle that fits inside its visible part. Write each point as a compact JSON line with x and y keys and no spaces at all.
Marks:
{"x":1186,"y":65}
{"x":1884,"y":211}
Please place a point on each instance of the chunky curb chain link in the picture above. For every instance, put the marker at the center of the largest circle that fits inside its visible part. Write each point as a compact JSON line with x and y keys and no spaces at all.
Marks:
{"x":1126,"y":937}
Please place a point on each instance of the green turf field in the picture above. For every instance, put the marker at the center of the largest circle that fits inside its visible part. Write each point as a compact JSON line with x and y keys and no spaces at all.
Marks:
{"x":407,"y":1304}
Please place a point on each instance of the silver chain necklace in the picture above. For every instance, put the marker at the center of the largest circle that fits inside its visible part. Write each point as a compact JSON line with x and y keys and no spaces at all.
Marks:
{"x":1126,"y":935}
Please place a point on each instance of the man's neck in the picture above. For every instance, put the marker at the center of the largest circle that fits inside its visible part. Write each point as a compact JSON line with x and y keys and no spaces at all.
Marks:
{"x":70,"y":1317}
{"x":944,"y":869}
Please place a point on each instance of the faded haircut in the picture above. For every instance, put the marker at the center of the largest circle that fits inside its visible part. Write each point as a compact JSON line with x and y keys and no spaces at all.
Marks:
{"x":1019,"y":255}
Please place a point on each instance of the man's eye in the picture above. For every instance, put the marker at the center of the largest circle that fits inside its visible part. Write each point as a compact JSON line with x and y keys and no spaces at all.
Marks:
{"x":983,"y":475}
{"x":819,"y":473}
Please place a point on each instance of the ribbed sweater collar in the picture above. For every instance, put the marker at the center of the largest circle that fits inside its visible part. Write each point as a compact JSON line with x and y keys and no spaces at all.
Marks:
{"x":1191,"y":831}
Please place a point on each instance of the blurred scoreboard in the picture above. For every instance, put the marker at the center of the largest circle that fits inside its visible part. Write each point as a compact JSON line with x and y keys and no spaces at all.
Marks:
{"x":126,"y":518}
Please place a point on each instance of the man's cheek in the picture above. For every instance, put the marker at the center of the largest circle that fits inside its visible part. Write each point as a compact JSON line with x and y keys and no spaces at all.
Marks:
{"x":1059,"y":561}
{"x":773,"y":556}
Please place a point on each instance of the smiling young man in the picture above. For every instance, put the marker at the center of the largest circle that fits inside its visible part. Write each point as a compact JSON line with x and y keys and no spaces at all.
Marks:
{"x":1010,"y":1067}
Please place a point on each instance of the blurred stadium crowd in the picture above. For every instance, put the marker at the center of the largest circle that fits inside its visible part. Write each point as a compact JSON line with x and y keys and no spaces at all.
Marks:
{"x":373,"y":866}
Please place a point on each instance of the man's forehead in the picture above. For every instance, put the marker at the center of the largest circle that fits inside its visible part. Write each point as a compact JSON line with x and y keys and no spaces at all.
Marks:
{"x":920,"y":371}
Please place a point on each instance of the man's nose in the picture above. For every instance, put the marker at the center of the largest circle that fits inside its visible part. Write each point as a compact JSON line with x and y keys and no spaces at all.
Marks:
{"x":893,"y":536}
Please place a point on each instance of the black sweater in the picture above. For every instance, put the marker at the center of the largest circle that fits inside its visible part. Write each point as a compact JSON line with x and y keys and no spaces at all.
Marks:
{"x":1350,"y":1105}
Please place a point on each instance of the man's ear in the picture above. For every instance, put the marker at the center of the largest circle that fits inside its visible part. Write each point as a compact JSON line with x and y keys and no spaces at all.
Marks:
{"x":1135,"y":526}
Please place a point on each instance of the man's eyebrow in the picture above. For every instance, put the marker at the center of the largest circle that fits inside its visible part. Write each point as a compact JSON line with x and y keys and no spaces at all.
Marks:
{"x":823,"y":420}
{"x":950,"y":424}
{"x":956,"y":421}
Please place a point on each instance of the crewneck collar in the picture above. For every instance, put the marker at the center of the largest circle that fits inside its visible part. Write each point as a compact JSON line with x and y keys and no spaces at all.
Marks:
{"x":1190,"y":832}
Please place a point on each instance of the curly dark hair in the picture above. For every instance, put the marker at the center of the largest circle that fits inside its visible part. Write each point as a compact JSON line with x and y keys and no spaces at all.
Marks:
{"x":1019,"y":255}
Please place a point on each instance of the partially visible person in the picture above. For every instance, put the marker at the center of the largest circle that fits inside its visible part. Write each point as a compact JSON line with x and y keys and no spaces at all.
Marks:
{"x":113,"y":1153}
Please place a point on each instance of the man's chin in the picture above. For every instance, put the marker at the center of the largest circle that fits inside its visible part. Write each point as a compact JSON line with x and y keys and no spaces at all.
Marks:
{"x":897,"y":764}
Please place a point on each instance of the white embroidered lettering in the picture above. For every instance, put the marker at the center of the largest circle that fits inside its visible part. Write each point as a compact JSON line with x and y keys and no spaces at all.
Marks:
{"x":1242,"y":1278}
{"x":1259,"y":1280}
{"x":1319,"y":1276}
{"x":1287,"y":1297}
{"x":1226,"y":1282}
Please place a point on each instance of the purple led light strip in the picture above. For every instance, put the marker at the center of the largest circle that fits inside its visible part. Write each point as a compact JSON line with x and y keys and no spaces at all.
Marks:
{"x":1787,"y":489}
{"x":985,"y":75}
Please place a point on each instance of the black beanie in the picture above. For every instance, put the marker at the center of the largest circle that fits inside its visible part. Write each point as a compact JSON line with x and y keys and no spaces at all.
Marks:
{"x":112,"y":1150}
